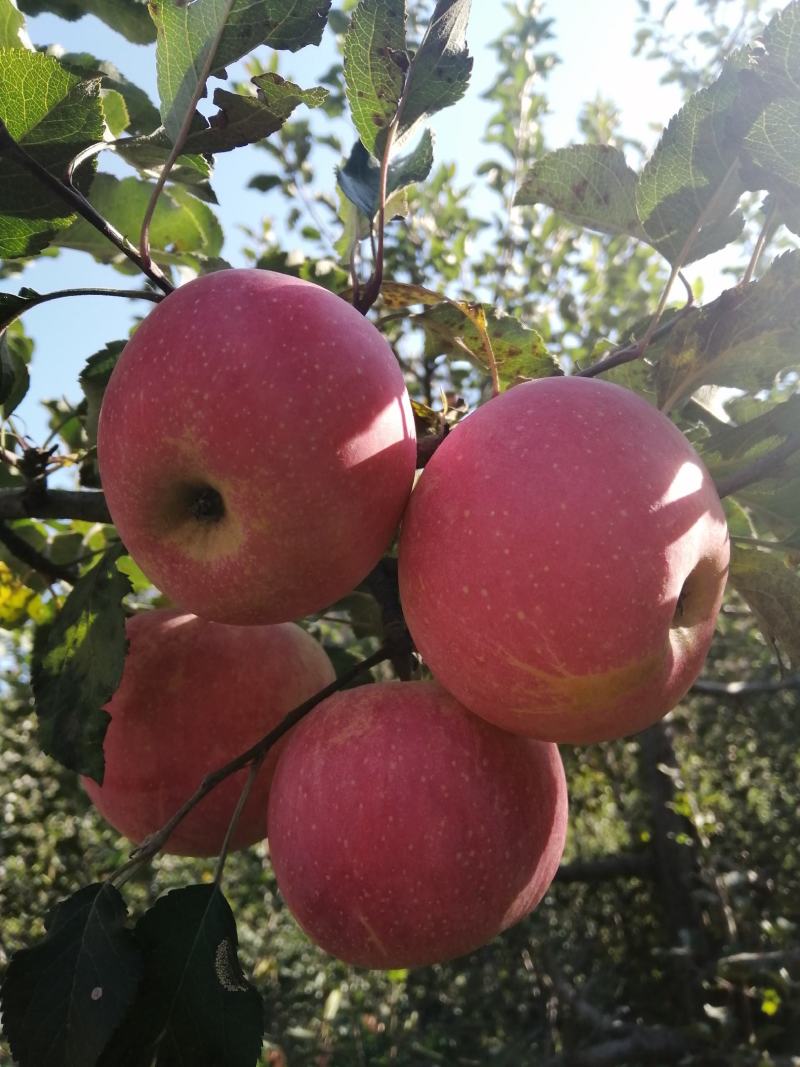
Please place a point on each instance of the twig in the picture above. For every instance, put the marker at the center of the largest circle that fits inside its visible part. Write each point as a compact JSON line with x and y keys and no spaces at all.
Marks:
{"x":177,"y":148}
{"x":155,"y":842}
{"x":627,"y":353}
{"x":765,"y":466}
{"x":87,"y":505}
{"x":130,"y":294}
{"x":247,"y":789}
{"x":733,"y":689}
{"x":79,"y":204}
{"x":767,"y":230}
{"x":26,"y":553}
{"x":617,"y":865}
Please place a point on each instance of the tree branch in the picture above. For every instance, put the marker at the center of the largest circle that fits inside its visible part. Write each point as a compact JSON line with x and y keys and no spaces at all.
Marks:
{"x":155,"y":842}
{"x":733,"y":689}
{"x":618,"y":865}
{"x":651,"y":1044}
{"x":78,"y":202}
{"x":26,"y":553}
{"x":765,"y":466}
{"x":87,"y":505}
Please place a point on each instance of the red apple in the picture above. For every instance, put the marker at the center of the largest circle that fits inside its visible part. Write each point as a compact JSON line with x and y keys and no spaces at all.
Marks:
{"x":404,"y":830}
{"x":256,"y":446}
{"x":562,"y":561}
{"x":193,"y":695}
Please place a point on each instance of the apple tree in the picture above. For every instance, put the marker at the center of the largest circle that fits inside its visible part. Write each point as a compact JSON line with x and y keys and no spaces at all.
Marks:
{"x":246,"y":453}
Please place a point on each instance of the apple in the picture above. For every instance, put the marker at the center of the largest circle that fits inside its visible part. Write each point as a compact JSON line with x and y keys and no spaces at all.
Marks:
{"x":562,"y":561}
{"x":193,"y":695}
{"x":256,"y":446}
{"x":404,"y":830}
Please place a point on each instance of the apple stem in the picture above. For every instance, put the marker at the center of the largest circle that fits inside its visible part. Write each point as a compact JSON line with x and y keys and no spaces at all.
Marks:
{"x":155,"y":842}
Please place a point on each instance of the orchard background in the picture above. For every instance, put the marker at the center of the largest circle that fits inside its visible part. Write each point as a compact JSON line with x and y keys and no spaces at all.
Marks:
{"x":671,"y":932}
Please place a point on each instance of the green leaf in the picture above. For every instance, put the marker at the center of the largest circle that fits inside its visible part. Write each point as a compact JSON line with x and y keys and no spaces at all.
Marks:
{"x":93,"y":380}
{"x":15,"y":354}
{"x":359,"y":179}
{"x":773,"y":144}
{"x":128,"y":17}
{"x":53,"y":115}
{"x":520,"y":353}
{"x":440,"y":71}
{"x":773,"y":592}
{"x":243,"y":120}
{"x":18,"y":602}
{"x":144,"y":117}
{"x":77,"y":664}
{"x":115,"y":111}
{"x":181,"y":223}
{"x":693,"y":174}
{"x":589,"y":184}
{"x":186,"y":35}
{"x":63,"y":998}
{"x":374,"y":54}
{"x":742,"y":339}
{"x":12,"y":25}
{"x":778,"y":59}
{"x":11,"y":306}
{"x":194,"y":1006}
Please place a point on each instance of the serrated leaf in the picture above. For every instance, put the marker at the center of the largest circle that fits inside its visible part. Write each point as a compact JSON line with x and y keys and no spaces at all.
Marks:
{"x":12,"y":25}
{"x":773,"y":144}
{"x":63,"y":998}
{"x":772,"y":590}
{"x":53,"y":115}
{"x":14,"y":376}
{"x":374,"y":50}
{"x":778,"y":59}
{"x":440,"y":71}
{"x":77,"y":664}
{"x":359,"y":179}
{"x":693,"y":175}
{"x":148,"y":154}
{"x":115,"y":111}
{"x":187,"y":32}
{"x":93,"y":380}
{"x":243,"y":120}
{"x":12,"y":306}
{"x":742,"y":339}
{"x":589,"y":184}
{"x":128,"y":17}
{"x":194,"y":1006}
{"x":181,"y":224}
{"x":520,"y":353}
{"x":144,"y":117}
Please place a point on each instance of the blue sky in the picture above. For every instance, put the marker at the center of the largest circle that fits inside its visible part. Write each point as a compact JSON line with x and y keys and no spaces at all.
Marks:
{"x":595,"y":53}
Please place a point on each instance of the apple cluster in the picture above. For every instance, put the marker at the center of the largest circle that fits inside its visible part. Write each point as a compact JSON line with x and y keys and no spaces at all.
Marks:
{"x":562,"y":560}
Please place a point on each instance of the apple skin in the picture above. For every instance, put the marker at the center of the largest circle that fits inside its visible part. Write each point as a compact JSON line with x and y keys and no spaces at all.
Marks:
{"x":280,"y":400}
{"x":543,"y":553}
{"x":193,"y":695}
{"x":406,"y":831}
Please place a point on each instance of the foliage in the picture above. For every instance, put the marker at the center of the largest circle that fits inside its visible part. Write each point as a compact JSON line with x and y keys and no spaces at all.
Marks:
{"x":680,"y":884}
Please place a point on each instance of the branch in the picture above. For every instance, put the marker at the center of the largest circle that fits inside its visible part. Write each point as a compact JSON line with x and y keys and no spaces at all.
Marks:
{"x":733,"y":689}
{"x":155,"y":842}
{"x":78,"y":203}
{"x":651,"y":1044}
{"x":618,"y":865}
{"x":630,"y":352}
{"x":131,"y":294}
{"x":764,"y":467}
{"x":26,"y":553}
{"x":759,"y":961}
{"x":87,"y":505}
{"x":180,"y":140}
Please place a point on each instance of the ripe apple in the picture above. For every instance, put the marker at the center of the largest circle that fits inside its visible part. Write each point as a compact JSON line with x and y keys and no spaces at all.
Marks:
{"x":193,"y":695}
{"x":256,"y":446}
{"x":404,"y":830}
{"x":562,"y":561}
